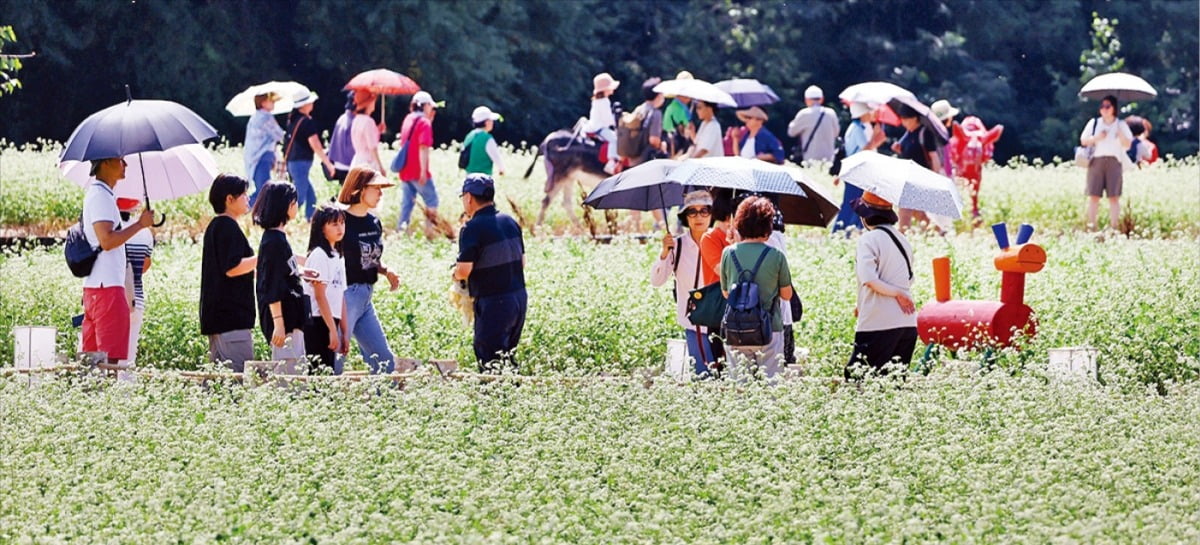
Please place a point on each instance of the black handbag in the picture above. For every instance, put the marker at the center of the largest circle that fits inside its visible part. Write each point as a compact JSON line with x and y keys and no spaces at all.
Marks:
{"x":80,"y":254}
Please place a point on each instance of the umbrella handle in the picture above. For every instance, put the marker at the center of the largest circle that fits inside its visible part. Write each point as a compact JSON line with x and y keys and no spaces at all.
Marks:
{"x":162,"y":218}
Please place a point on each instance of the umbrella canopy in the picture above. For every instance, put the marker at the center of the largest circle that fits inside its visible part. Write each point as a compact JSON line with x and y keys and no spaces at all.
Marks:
{"x":661,"y":184}
{"x":1126,"y":87}
{"x":242,"y":104}
{"x":748,"y":92}
{"x":874,"y":93}
{"x":927,"y":117}
{"x":135,"y":126}
{"x":696,"y":89}
{"x":170,"y":174}
{"x":382,"y":81}
{"x":903,"y":182}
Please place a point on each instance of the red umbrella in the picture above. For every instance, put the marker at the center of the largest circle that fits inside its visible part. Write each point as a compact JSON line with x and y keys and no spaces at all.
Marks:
{"x":382,"y":81}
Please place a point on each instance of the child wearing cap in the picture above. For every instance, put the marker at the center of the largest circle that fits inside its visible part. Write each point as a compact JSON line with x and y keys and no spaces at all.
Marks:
{"x":137,"y":254}
{"x":601,"y":121}
{"x":483,"y":152}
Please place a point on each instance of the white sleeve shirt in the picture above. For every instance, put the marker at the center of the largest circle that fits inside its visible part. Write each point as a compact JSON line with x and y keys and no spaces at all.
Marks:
{"x":100,"y":204}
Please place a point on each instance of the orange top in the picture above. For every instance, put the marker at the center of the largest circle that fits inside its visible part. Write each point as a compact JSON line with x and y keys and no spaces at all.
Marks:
{"x":712,"y":244}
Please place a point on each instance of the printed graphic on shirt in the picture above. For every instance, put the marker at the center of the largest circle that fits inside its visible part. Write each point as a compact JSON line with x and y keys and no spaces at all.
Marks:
{"x":370,"y":255}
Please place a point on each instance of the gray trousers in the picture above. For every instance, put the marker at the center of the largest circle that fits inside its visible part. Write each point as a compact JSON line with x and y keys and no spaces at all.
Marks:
{"x":232,"y":348}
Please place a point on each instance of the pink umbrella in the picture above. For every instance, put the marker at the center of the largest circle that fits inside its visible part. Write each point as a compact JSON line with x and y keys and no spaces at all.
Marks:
{"x":382,"y":81}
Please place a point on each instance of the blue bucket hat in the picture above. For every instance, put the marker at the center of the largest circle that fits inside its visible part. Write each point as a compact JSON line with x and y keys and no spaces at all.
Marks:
{"x":480,"y":185}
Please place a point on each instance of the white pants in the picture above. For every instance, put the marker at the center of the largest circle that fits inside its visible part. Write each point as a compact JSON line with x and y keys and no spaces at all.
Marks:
{"x":747,"y":362}
{"x":135,"y":332}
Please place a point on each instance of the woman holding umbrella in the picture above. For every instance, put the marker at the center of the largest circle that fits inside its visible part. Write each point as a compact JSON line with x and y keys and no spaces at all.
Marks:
{"x":1108,"y":137}
{"x":885,"y":329}
{"x":861,"y":135}
{"x":262,"y":133}
{"x":681,"y":257}
{"x":364,"y":133}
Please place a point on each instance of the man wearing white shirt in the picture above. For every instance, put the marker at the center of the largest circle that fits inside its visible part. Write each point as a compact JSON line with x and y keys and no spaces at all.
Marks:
{"x":105,"y":309}
{"x":815,"y":128}
{"x":1108,"y":137}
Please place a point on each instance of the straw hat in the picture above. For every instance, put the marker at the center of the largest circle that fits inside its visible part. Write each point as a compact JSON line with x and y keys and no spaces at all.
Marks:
{"x":604,"y":82}
{"x":753,"y":112}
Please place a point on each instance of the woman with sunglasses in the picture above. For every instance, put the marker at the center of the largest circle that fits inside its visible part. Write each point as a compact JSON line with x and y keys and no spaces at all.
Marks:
{"x":1109,"y":138}
{"x":680,"y":257}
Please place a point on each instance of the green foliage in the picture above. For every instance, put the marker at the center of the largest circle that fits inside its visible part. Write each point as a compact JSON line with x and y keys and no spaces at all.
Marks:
{"x":1104,"y":56}
{"x":533,"y":60}
{"x":10,"y":63}
{"x":996,"y":460}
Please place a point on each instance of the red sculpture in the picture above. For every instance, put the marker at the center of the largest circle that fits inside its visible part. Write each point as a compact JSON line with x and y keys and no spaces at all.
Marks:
{"x":970,"y":147}
{"x":972,"y":324}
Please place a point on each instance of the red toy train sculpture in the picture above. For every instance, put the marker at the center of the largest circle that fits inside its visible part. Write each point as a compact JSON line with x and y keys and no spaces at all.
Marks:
{"x":973,"y":324}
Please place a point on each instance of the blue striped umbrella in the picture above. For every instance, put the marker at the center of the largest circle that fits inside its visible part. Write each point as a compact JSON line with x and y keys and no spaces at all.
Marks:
{"x":748,"y":92}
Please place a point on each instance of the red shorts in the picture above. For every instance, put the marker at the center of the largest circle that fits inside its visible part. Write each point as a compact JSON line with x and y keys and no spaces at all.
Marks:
{"x":106,"y":321}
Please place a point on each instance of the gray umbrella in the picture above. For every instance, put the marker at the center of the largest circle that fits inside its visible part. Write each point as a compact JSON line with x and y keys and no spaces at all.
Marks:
{"x":135,"y":126}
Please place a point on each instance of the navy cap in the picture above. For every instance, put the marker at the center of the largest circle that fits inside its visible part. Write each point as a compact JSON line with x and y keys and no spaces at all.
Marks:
{"x":480,"y":185}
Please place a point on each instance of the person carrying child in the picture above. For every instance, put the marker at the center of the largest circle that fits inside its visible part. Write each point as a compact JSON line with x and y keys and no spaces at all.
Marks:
{"x":326,"y":335}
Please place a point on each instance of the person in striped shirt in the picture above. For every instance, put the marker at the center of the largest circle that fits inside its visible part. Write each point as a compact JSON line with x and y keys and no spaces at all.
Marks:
{"x":137,"y":254}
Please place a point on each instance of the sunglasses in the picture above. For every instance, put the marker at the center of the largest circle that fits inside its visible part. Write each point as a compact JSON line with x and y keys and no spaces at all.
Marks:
{"x":693,"y":212}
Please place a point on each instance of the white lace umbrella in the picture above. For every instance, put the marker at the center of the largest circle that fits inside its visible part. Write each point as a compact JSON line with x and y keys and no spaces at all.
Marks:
{"x":696,"y":89}
{"x":903,"y":182}
{"x":242,"y":104}
{"x":1126,"y":87}
{"x":874,"y":93}
{"x":176,"y":172}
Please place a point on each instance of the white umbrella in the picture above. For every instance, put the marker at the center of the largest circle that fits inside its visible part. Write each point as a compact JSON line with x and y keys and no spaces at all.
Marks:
{"x":874,"y":93}
{"x":170,"y":174}
{"x":1126,"y":87}
{"x":903,"y":182}
{"x":696,"y":89}
{"x":242,"y":104}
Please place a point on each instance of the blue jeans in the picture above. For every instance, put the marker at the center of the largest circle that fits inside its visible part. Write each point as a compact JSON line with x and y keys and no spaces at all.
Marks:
{"x":409,"y":198}
{"x":499,"y":320}
{"x":364,"y":327}
{"x":262,"y":173}
{"x":305,"y":195}
{"x":695,"y":343}
{"x":847,"y":218}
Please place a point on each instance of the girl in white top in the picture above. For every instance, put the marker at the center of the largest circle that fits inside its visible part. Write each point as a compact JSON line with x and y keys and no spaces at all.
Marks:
{"x":682,"y":259}
{"x":1108,"y":137}
{"x":326,"y":333}
{"x":600,"y":120}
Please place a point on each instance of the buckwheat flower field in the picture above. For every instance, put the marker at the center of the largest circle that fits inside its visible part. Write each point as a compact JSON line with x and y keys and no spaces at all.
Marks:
{"x":624,"y":454}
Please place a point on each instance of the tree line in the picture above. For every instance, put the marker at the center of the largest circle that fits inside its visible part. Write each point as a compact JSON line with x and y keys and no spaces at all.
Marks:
{"x":1016,"y":62}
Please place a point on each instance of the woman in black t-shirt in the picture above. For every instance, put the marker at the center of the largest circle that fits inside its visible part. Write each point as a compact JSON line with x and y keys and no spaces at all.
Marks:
{"x":302,"y":142}
{"x":280,"y":297}
{"x":362,"y":247}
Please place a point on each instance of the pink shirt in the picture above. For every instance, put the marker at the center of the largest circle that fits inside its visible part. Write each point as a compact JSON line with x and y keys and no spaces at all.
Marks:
{"x":420,"y":136}
{"x":364,"y":135}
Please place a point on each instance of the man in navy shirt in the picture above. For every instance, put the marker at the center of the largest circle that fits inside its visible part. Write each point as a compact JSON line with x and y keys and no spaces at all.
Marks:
{"x":491,"y":258}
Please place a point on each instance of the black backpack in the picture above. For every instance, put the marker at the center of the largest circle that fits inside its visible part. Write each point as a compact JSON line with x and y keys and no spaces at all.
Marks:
{"x":464,"y":155}
{"x":746,"y":322}
{"x":80,"y":254}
